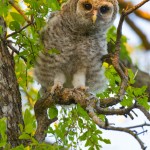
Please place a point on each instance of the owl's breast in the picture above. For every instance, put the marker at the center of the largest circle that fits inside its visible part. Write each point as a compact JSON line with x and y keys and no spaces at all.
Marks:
{"x":90,"y":47}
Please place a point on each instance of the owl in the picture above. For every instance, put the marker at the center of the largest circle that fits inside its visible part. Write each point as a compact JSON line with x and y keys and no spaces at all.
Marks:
{"x":78,"y":33}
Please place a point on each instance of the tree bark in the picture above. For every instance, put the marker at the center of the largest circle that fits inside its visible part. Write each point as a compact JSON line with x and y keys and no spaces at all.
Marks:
{"x":10,"y":99}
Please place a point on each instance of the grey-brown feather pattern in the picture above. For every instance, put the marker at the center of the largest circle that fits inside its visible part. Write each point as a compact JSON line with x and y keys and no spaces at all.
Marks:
{"x":80,"y":42}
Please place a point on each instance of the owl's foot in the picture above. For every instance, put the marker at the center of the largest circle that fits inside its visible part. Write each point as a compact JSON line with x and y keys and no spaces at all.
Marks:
{"x":56,"y":86}
{"x":83,"y":88}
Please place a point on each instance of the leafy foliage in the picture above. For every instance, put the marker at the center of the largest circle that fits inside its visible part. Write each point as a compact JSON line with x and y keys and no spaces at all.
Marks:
{"x":74,"y":127}
{"x":111,"y":38}
{"x":133,"y":95}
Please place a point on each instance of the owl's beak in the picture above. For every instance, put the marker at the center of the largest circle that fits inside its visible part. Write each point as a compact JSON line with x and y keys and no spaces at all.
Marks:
{"x":94,"y":17}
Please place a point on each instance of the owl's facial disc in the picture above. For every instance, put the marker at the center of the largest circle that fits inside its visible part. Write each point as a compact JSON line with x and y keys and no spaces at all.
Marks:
{"x":96,"y":12}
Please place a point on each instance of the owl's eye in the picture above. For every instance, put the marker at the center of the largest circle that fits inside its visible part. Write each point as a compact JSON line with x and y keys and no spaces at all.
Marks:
{"x":87,"y":6}
{"x":104,"y":9}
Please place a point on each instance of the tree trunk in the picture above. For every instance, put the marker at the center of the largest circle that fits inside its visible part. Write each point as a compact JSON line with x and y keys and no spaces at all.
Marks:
{"x":10,"y":99}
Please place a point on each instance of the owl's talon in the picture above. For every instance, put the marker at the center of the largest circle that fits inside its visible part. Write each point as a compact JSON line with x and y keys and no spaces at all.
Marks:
{"x":83,"y":88}
{"x":56,"y":86}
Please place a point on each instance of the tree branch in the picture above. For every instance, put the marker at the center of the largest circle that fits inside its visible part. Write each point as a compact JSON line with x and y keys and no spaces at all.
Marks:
{"x":19,"y":10}
{"x":126,"y":130}
{"x":139,"y":126}
{"x":9,"y":44}
{"x":107,"y":111}
{"x":88,"y":102}
{"x":140,"y":13}
{"x":139,"y":32}
{"x":123,"y":15}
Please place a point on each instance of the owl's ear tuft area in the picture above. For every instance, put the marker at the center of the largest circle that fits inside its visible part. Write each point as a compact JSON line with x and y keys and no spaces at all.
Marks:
{"x":116,"y":8}
{"x":63,"y":5}
{"x":69,"y":5}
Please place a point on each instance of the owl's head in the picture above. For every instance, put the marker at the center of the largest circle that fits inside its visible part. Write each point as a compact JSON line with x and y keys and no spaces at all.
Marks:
{"x":93,"y":13}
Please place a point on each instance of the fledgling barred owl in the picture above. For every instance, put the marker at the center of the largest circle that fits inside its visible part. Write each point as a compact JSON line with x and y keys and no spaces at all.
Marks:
{"x":78,"y":32}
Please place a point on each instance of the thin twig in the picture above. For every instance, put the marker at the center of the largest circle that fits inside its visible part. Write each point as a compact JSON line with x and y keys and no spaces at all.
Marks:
{"x":129,"y":132}
{"x":13,"y":33}
{"x":143,"y":15}
{"x":140,"y":13}
{"x":138,"y":126}
{"x":123,"y":15}
{"x":9,"y":44}
{"x":139,"y":32}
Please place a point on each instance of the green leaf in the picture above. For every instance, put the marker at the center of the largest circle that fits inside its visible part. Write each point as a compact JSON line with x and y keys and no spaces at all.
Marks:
{"x":88,"y":143}
{"x":92,"y":125}
{"x":98,"y":147}
{"x":144,"y":102}
{"x":21,"y":127}
{"x":71,"y":133}
{"x":24,"y":53}
{"x":71,"y":138}
{"x":107,"y":141}
{"x":3,"y":136}
{"x":98,"y":132}
{"x":2,"y":144}
{"x":82,"y":112}
{"x":124,"y":54}
{"x":139,"y":91}
{"x":131,"y":76}
{"x":53,"y":112}
{"x":51,"y":130}
{"x":1,"y":29}
{"x":111,"y":34}
{"x":14,"y":25}
{"x":29,"y":128}
{"x":2,"y":125}
{"x":127,"y":101}
{"x":130,"y":90}
{"x":83,"y":136}
{"x":53,"y":4}
{"x":91,"y":148}
{"x":25,"y":136}
{"x":111,"y":46}
{"x":28,"y":118}
{"x":20,"y":147}
{"x":4,"y":7}
{"x":102,"y":117}
{"x":80,"y":123}
{"x":17,"y":17}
